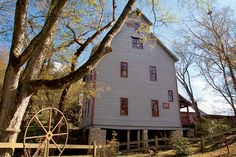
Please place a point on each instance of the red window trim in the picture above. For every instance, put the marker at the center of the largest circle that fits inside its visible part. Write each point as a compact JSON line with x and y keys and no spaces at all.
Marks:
{"x":121,"y":70}
{"x":157,"y":114}
{"x":166,"y":105}
{"x":151,"y":73}
{"x":170,"y":96}
{"x":127,"y":104}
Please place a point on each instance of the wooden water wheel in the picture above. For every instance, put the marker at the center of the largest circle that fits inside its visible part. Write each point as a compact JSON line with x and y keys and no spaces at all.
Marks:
{"x":46,"y":133}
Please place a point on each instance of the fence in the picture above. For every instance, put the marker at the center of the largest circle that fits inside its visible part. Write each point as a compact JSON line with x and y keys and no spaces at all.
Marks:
{"x":140,"y":145}
{"x":144,"y":144}
{"x":202,"y":143}
{"x":93,"y":147}
{"x":211,"y":140}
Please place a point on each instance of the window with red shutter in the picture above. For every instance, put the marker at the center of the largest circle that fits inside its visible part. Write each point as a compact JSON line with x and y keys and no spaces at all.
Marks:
{"x":124,"y":106}
{"x":155,"y":108}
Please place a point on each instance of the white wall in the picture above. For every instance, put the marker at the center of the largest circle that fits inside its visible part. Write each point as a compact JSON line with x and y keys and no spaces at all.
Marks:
{"x":137,"y":87}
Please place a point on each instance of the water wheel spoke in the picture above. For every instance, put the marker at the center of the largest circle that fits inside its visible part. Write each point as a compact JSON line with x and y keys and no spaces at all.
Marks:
{"x":50,"y":119}
{"x":45,"y":124}
{"x":46,"y":149}
{"x":41,"y":124}
{"x":57,"y":124}
{"x":35,"y":154}
{"x":56,"y":145}
{"x":33,"y":137}
{"x":60,"y":134}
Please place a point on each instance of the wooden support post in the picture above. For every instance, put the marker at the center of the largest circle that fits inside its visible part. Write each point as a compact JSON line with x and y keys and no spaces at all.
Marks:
{"x":226,"y":142}
{"x":94,"y":149}
{"x":145,"y":139}
{"x":165,"y":140}
{"x":128,"y":140}
{"x":202,"y":144}
{"x":156,"y":141}
{"x":138,"y":139}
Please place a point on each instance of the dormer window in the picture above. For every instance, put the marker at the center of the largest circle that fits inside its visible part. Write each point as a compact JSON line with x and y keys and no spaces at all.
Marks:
{"x":137,"y":43}
{"x":136,"y":26}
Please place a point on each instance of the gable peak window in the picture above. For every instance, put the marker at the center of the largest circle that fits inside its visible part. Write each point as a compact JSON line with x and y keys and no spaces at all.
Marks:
{"x":153,"y":73}
{"x":124,"y":106}
{"x":137,"y":43}
{"x":155,"y":108}
{"x":123,"y":69}
{"x":170,"y":96}
{"x":136,"y":26}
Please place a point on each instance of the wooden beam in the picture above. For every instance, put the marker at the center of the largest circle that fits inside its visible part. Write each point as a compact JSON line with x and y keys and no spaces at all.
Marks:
{"x":156,"y":141}
{"x":94,"y":149}
{"x":36,"y":145}
{"x":128,"y":139}
{"x":138,"y":138}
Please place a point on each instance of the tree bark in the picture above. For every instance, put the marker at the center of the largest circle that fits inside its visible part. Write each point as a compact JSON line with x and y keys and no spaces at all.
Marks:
{"x":18,"y":89}
{"x":16,"y":93}
{"x":103,"y":49}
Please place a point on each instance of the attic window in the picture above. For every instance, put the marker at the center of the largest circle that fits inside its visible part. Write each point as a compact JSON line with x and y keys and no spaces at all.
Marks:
{"x":136,"y":26}
{"x":137,"y":43}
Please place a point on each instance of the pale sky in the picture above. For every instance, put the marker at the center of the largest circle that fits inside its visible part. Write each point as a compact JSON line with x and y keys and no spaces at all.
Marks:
{"x":208,"y":100}
{"x":205,"y":95}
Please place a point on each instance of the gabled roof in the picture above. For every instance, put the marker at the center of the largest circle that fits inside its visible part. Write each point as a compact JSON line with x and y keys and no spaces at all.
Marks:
{"x":190,"y":110}
{"x":153,"y":35}
{"x":164,"y":47}
{"x":143,"y":16}
{"x":183,"y":101}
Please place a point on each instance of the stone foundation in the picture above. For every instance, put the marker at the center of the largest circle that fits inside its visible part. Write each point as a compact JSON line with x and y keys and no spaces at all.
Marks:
{"x":98,"y":135}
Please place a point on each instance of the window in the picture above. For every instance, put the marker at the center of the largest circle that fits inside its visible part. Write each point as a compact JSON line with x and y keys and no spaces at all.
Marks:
{"x":87,"y":106}
{"x":136,"y":26}
{"x":123,"y":69}
{"x":166,"y":105}
{"x":153,"y":74}
{"x":137,"y":43}
{"x":124,"y":106}
{"x":155,"y":108}
{"x":170,"y":95}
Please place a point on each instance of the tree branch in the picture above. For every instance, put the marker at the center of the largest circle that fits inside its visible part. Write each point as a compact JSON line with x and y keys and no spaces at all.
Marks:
{"x":19,"y":30}
{"x":101,"y":51}
{"x":40,"y":39}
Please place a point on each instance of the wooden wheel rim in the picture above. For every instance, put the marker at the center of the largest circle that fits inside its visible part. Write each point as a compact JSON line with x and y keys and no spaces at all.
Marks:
{"x":48,"y":133}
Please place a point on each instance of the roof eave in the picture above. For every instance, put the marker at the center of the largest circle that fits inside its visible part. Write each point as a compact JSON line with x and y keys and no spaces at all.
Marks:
{"x":165,"y":48}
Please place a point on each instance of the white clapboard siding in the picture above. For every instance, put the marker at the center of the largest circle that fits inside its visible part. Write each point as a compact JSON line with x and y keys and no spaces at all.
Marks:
{"x":137,"y":87}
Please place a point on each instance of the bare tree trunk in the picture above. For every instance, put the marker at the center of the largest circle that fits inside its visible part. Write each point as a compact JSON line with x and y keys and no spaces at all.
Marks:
{"x":14,"y":113}
{"x":18,"y":90}
{"x":195,"y":106}
{"x":232,"y":75}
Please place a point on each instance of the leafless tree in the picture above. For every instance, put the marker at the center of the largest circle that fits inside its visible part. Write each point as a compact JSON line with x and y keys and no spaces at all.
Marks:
{"x":213,"y":35}
{"x":186,"y":56}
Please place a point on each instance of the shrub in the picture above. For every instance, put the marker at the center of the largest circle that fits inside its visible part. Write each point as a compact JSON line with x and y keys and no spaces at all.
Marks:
{"x":179,"y":144}
{"x":111,"y":148}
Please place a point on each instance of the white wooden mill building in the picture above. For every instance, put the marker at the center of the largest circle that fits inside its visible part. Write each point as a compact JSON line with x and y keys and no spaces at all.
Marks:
{"x":143,"y":100}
